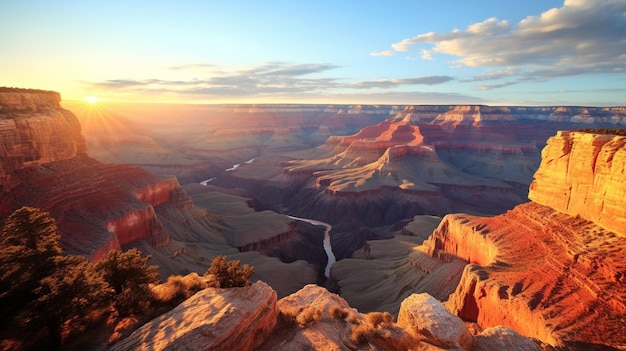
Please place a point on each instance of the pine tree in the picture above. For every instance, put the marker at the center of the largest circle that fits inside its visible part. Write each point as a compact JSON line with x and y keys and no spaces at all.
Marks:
{"x":129,"y":275}
{"x":29,"y":244}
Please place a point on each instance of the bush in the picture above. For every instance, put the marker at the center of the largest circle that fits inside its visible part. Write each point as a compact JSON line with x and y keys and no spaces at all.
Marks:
{"x":337,"y":312}
{"x":129,"y":275}
{"x":230,"y":274}
{"x":361,"y":333}
{"x":177,"y":289}
{"x":309,"y":315}
{"x":377,"y":319}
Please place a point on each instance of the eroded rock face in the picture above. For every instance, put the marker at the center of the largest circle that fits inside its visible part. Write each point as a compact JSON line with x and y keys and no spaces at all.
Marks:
{"x":35,"y":130}
{"x":547,"y":275}
{"x":212,"y":319}
{"x":584,"y":174}
{"x":552,"y":269}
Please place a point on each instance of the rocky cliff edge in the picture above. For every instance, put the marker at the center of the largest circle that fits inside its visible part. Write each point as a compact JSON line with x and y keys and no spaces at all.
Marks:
{"x":250,"y":318}
{"x":553,"y":268}
{"x":584,"y":174}
{"x":34,"y":130}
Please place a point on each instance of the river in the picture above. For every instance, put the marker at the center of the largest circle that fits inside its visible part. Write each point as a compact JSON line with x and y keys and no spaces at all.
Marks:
{"x":234,"y":167}
{"x":327,"y":246}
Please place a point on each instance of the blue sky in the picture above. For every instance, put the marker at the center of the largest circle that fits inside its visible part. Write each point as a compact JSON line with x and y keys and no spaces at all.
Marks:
{"x":393,"y":52}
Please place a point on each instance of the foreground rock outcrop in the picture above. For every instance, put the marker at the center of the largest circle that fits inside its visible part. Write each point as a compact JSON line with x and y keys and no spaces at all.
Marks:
{"x":312,"y":318}
{"x":427,"y":319}
{"x":556,"y":272}
{"x":212,"y":319}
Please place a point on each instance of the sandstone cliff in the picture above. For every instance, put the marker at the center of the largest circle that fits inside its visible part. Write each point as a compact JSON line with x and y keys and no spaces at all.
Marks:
{"x":553,"y":268}
{"x":584,"y":174}
{"x":34,"y":130}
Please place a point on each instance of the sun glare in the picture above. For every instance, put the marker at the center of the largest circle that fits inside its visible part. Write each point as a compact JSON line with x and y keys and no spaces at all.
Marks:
{"x":91,"y":99}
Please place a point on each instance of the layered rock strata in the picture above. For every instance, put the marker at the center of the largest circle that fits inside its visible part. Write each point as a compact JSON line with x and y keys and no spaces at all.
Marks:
{"x":34,"y":130}
{"x":584,"y":174}
{"x":554,"y":272}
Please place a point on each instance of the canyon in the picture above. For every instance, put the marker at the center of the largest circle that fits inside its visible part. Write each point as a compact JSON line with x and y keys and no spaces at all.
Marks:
{"x":518,"y":227}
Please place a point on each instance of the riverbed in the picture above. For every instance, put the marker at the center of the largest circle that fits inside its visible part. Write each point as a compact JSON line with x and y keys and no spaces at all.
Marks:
{"x":327,"y":246}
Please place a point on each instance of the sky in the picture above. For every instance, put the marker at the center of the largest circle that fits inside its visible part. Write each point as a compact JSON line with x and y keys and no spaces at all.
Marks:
{"x":494,"y":52}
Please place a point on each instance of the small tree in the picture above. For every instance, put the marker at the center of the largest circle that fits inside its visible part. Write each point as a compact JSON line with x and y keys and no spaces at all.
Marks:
{"x":129,"y":275}
{"x":29,"y":244}
{"x":230,"y":274}
{"x":72,"y":291}
{"x":39,"y":284}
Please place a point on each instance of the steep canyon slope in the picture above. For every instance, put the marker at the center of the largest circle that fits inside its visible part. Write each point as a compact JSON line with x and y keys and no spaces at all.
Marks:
{"x":553,"y":268}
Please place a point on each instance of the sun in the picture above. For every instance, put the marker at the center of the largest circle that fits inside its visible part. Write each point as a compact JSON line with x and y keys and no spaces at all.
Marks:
{"x":91,"y":99}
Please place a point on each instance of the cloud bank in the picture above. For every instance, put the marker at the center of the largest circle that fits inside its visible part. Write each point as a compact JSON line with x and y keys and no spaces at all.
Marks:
{"x":582,"y":37}
{"x":264,"y":79}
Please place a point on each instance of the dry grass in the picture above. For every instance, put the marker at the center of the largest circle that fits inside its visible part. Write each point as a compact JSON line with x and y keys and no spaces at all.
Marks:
{"x":179,"y":288}
{"x":309,"y":316}
{"x":370,"y":328}
{"x":362,"y":333}
{"x":337,"y":312}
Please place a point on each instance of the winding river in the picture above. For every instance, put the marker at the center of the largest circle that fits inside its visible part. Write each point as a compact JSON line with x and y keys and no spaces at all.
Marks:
{"x":327,"y":246}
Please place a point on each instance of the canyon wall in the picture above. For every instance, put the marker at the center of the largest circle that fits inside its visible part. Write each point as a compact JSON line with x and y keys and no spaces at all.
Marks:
{"x":552,"y":268}
{"x":35,"y":130}
{"x":584,"y":174}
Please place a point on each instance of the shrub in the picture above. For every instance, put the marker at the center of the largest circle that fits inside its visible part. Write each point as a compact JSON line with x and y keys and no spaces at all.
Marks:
{"x":337,"y":312}
{"x":377,"y":319}
{"x":309,"y":315}
{"x":230,"y":274}
{"x":178,"y":288}
{"x":361,"y":333}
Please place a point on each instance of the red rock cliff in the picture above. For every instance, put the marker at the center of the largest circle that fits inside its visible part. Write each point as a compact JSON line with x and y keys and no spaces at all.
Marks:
{"x":584,"y":175}
{"x":35,"y":130}
{"x":554,"y":268}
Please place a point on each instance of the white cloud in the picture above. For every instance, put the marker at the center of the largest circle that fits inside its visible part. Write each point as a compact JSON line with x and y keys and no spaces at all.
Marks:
{"x":581,"y":37}
{"x":263,"y":79}
{"x":427,"y":54}
{"x":383,"y":53}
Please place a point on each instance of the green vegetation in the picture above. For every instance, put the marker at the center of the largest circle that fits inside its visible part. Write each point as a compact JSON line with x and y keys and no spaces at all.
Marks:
{"x":230,"y":274}
{"x":618,"y":132}
{"x":39,"y":287}
{"x":129,"y":275}
{"x":42,"y":288}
